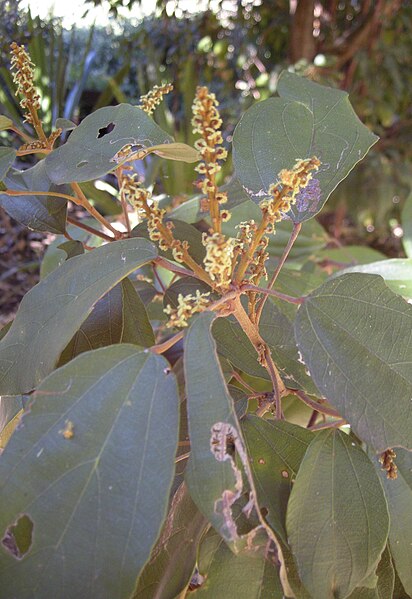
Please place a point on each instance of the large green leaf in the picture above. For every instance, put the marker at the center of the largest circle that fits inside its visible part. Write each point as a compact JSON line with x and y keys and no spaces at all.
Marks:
{"x":399,"y":495}
{"x":213,"y":478}
{"x":90,"y":151}
{"x":307,"y":119}
{"x":396,"y":272}
{"x":276,"y":449}
{"x":250,"y":575}
{"x":355,"y":337}
{"x":118,"y":317}
{"x":7,"y":156}
{"x":41,"y":213}
{"x":51,"y":312}
{"x":173,"y":558}
{"x":337,"y":518}
{"x":81,"y":469}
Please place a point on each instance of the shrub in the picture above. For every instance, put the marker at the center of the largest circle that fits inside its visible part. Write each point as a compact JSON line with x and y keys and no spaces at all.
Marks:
{"x":265,"y":456}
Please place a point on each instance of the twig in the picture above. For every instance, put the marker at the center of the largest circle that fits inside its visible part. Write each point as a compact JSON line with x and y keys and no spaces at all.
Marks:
{"x":83,"y":201}
{"x":314,"y":404}
{"x":274,"y":293}
{"x":89,"y":229}
{"x":330,"y":424}
{"x":239,"y":379}
{"x":295,"y":232}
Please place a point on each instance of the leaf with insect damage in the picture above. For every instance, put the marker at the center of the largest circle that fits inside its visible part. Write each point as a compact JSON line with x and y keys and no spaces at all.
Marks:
{"x":81,"y":469}
{"x":307,"y":119}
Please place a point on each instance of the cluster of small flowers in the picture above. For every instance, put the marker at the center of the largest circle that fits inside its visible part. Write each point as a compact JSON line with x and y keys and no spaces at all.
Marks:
{"x":388,"y":464}
{"x":133,"y":193}
{"x":187,"y":305}
{"x":247,"y":230}
{"x":123,"y":154}
{"x":23,"y":77}
{"x":283,"y":193}
{"x":218,"y":261}
{"x":153,"y":98}
{"x":207,"y":122}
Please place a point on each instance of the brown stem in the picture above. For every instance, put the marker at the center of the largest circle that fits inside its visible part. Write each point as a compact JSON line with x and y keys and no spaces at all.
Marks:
{"x":21,"y":133}
{"x":160,"y":348}
{"x":179,"y":270}
{"x":239,"y":379}
{"x":295,"y":232}
{"x":315,"y":405}
{"x":263,"y":352}
{"x":330,"y":424}
{"x":89,"y":229}
{"x":126,"y":216}
{"x":83,"y":201}
{"x":272,"y":292}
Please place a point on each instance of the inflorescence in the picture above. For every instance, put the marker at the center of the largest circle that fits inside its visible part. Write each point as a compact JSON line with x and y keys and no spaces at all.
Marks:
{"x":207,"y":122}
{"x":187,"y":305}
{"x":149,"y":101}
{"x":283,"y":193}
{"x":23,"y":77}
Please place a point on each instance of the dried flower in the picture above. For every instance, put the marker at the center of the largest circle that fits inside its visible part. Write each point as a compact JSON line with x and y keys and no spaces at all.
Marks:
{"x":218,"y":259}
{"x":23,"y":77}
{"x":388,"y":464}
{"x":153,"y":98}
{"x":187,"y":305}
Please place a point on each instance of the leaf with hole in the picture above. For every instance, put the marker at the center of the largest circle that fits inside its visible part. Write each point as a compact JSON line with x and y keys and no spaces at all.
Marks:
{"x":90,"y":152}
{"x":354,"y":335}
{"x":102,"y":410}
{"x":337,"y":518}
{"x":52,"y":311}
{"x":307,"y":119}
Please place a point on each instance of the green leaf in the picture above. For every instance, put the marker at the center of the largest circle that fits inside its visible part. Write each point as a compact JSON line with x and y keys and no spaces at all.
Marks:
{"x":308,"y":119}
{"x":399,"y":495}
{"x":337,"y":518}
{"x":72,"y":248}
{"x":5,"y":122}
{"x":173,"y":559}
{"x":276,"y":449}
{"x":407,"y":226}
{"x":384,"y":584}
{"x":249,"y":575}
{"x":118,"y":317}
{"x":64,"y":124}
{"x":354,"y":335}
{"x":277,"y":331}
{"x":7,"y":156}
{"x":41,"y":213}
{"x":213,"y":479}
{"x":90,"y":151}
{"x":182,"y":231}
{"x":81,"y":469}
{"x":396,"y":272}
{"x":176,"y":151}
{"x":52,"y":311}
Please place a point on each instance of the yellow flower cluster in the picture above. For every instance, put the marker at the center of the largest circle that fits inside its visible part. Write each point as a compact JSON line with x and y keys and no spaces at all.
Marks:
{"x":133,"y":193}
{"x":207,"y":122}
{"x":284,"y":193}
{"x":23,"y":77}
{"x":187,"y":306}
{"x":218,"y":261}
{"x":149,"y":101}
